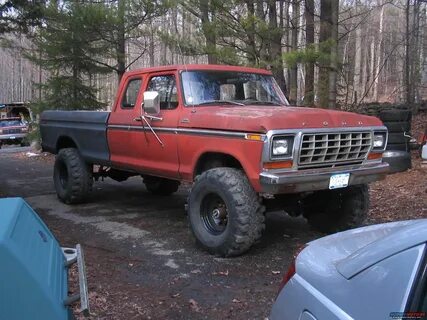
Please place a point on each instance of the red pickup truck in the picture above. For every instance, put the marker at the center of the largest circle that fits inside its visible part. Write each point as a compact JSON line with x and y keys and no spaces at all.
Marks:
{"x":231,"y":133}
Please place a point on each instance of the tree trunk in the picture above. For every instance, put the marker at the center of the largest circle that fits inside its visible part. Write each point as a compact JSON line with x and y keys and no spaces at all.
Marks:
{"x":408,"y":55}
{"x":333,"y":72}
{"x":121,"y":42}
{"x":275,"y":46}
{"x":324,"y":47}
{"x":357,"y":93}
{"x":309,"y":67}
{"x":151,"y":45}
{"x":372,"y":64}
{"x":379,"y":54}
{"x":208,"y":31}
{"x":252,"y":56}
{"x":260,"y":15}
{"x":293,"y":80}
{"x":287,"y":36}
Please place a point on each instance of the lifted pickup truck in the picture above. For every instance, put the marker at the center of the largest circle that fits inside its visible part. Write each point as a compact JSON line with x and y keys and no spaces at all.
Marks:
{"x":230,"y":132}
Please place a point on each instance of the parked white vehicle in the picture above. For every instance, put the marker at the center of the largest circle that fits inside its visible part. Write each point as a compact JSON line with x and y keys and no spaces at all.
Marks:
{"x":370,"y":273}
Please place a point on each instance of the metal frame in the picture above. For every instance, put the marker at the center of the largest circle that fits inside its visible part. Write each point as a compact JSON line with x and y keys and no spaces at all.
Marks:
{"x":75,"y":255}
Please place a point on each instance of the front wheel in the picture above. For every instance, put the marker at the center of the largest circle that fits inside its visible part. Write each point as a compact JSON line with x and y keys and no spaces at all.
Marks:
{"x":225,"y":214}
{"x":331,"y":211}
{"x":72,"y":176}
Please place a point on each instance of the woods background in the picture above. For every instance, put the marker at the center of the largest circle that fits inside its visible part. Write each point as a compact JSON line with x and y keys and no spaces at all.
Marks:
{"x":71,"y":54}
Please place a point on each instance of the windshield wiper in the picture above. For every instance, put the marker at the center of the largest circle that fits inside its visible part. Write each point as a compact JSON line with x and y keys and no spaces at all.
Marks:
{"x":264,"y":102}
{"x":220,"y":101}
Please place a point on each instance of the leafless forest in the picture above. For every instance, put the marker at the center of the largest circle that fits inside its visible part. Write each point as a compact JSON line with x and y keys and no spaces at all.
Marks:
{"x":378,"y":50}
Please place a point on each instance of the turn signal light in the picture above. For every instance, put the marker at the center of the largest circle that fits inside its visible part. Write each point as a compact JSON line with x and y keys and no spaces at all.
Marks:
{"x":278,"y":165}
{"x":254,"y":137}
{"x":374,"y":156}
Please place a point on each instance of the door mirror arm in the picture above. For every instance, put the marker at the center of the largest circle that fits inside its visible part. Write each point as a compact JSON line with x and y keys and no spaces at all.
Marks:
{"x":144,"y":120}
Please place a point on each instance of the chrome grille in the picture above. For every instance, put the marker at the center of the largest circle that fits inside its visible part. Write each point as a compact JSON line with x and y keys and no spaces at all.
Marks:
{"x":10,"y":131}
{"x":329,"y":149}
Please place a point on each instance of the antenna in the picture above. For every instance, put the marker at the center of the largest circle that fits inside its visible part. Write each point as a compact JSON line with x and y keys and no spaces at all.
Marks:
{"x":193,"y":110}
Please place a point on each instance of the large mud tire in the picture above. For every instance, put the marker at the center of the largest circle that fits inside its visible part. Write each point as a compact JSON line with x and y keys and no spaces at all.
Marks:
{"x":337,"y":210}
{"x":72,"y":176}
{"x":225,"y":213}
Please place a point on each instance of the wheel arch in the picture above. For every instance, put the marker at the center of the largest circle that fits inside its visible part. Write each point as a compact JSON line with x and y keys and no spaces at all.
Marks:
{"x":213,"y":159}
{"x":65,"y":142}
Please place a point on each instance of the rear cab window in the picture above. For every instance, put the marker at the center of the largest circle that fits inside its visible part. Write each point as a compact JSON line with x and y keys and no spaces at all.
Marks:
{"x":131,"y":93}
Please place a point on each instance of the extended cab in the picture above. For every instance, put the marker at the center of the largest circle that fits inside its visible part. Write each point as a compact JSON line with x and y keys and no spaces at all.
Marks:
{"x":231,"y":133}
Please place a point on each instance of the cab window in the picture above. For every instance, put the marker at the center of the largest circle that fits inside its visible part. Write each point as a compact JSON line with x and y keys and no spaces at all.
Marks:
{"x":166,"y":87}
{"x":131,"y":94}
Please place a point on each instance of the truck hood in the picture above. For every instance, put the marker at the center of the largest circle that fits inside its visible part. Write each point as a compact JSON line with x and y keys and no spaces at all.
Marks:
{"x":263,"y":118}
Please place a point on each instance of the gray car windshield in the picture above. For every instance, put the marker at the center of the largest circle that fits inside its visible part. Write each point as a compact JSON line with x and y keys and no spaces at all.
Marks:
{"x":231,"y":88}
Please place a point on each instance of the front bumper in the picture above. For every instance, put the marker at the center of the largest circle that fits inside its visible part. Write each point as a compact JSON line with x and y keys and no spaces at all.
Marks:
{"x":318,"y":179}
{"x":12,"y":137}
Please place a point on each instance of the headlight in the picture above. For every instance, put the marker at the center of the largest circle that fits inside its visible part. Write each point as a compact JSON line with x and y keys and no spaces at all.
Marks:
{"x":282,"y":147}
{"x":379,"y":140}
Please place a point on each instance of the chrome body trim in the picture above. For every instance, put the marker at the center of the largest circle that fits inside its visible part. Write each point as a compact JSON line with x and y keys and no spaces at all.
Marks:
{"x":207,"y":132}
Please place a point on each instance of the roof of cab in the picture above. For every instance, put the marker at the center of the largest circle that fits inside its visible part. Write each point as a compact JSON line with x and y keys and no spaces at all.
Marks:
{"x":186,"y":67}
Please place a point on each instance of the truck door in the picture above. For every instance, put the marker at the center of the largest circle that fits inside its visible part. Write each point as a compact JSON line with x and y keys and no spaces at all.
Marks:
{"x":121,"y":136}
{"x":161,"y":157}
{"x":132,"y":143}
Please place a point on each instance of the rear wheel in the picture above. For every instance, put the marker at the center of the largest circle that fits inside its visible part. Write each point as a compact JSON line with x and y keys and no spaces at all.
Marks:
{"x":72,"y":176}
{"x":161,"y":186}
{"x":225,"y":214}
{"x":331,"y":211}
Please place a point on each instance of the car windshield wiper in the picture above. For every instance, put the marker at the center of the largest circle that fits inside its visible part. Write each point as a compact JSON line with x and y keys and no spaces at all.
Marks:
{"x":220,"y":101}
{"x":256,"y":102}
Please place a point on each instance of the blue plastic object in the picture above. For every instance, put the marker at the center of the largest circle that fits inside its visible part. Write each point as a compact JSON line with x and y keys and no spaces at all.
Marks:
{"x":33,"y":272}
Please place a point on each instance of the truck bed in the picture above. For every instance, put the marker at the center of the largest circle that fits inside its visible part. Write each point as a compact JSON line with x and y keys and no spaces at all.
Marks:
{"x":86,"y":129}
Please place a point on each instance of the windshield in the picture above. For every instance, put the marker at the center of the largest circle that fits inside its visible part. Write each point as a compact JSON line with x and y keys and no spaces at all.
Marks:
{"x":230,"y":88}
{"x":10,"y":123}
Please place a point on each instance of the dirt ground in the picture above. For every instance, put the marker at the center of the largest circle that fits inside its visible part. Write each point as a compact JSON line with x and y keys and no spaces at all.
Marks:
{"x":141,"y":259}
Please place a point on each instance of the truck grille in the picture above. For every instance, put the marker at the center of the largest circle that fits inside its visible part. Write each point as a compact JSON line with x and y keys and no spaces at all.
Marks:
{"x":330,"y":149}
{"x":11,"y":131}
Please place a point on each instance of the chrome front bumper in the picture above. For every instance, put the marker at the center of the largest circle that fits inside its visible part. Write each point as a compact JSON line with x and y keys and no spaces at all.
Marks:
{"x":295,"y":181}
{"x":12,"y":136}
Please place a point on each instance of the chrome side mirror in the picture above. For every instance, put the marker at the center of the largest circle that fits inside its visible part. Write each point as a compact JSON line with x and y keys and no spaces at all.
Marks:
{"x":151,"y":102}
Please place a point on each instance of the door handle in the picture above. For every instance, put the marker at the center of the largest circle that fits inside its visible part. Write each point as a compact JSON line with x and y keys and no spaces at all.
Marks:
{"x":139,"y":119}
{"x":153,"y":118}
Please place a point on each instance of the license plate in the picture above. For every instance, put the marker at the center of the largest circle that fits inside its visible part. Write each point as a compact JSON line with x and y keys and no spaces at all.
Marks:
{"x":339,"y":180}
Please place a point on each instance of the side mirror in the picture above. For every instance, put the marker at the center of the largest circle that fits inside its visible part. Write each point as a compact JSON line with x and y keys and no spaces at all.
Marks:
{"x":151,"y":102}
